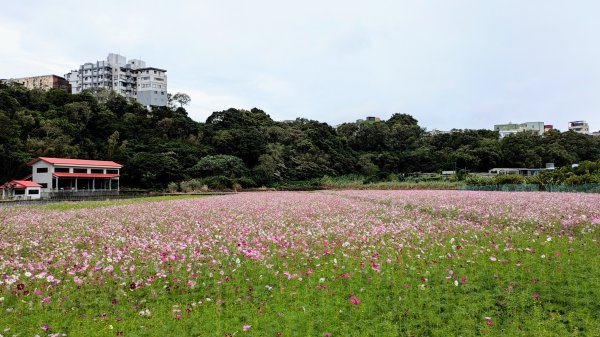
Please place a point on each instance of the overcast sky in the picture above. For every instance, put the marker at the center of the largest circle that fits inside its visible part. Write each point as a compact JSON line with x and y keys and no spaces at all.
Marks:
{"x":448,"y":63}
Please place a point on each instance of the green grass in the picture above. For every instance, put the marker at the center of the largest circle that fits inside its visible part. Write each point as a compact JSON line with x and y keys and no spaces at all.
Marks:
{"x":360,"y":182}
{"x":67,"y":205}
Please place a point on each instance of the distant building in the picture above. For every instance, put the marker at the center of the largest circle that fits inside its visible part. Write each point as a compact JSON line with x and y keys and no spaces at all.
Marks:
{"x":131,"y":79}
{"x":437,"y":132}
{"x":368,"y":120}
{"x":548,"y":127}
{"x":579,"y":127}
{"x":512,"y":128}
{"x":597,"y":133}
{"x":45,"y":82}
{"x":21,"y":189}
{"x":513,"y":170}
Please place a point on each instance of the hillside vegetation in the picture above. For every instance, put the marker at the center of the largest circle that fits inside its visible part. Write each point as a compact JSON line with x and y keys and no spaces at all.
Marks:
{"x":248,"y":148}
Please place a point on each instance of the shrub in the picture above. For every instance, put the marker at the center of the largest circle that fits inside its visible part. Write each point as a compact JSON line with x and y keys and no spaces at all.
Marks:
{"x":509,"y":179}
{"x":246,"y":182}
{"x":218,"y":182}
{"x":194,"y":185}
{"x":173,"y":187}
{"x":479,"y":180}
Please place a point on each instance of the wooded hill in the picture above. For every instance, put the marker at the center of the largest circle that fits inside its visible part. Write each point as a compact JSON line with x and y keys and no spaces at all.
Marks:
{"x":248,"y":147}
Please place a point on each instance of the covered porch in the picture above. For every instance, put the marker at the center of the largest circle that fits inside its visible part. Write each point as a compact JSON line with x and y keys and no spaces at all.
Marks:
{"x":84,"y":182}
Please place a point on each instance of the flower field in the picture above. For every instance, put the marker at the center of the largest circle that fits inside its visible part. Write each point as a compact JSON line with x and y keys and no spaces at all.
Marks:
{"x":327,"y":263}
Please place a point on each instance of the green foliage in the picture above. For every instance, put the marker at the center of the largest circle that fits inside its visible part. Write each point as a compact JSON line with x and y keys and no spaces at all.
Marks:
{"x":193,"y":185}
{"x":225,"y":165}
{"x":219,"y":182}
{"x":504,"y":179}
{"x":246,"y":182}
{"x":164,"y":145}
{"x":173,"y":187}
{"x":152,"y":170}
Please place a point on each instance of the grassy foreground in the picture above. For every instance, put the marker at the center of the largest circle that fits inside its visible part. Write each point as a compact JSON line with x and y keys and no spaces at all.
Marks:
{"x":344,"y":263}
{"x":67,"y":205}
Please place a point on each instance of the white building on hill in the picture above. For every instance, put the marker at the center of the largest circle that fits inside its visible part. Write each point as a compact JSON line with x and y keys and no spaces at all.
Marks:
{"x":132,"y":79}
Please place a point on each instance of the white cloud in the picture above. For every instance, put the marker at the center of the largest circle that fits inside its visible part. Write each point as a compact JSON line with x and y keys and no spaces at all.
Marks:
{"x":203,"y":104}
{"x":451,"y":64}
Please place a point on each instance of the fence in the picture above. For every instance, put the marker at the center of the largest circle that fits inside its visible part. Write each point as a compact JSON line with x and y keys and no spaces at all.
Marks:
{"x":583,"y":188}
{"x":73,"y":194}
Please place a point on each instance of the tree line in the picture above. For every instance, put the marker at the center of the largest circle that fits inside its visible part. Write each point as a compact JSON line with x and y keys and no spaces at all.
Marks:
{"x":249,"y":148}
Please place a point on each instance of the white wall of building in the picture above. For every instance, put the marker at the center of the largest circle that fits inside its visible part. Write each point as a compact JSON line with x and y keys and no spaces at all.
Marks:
{"x":42,"y":178}
{"x":33,"y":193}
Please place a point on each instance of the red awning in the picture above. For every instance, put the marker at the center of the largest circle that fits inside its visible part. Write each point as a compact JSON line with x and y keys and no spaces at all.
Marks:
{"x":84,"y":175}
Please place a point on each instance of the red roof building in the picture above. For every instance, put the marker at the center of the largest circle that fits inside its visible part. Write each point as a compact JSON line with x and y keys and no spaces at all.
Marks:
{"x":21,"y":189}
{"x":75,"y":175}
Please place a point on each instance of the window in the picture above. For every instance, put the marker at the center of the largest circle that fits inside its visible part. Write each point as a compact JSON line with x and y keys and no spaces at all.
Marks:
{"x":19,"y":192}
{"x":33,"y":192}
{"x":62,"y":169}
{"x":100,"y":171}
{"x":44,"y":185}
{"x":112,"y":171}
{"x":41,"y":170}
{"x":80,"y":170}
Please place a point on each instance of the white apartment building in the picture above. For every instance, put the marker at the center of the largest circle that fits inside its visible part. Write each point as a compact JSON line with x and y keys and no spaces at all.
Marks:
{"x":579,"y":127}
{"x":512,"y":128}
{"x":131,"y":79}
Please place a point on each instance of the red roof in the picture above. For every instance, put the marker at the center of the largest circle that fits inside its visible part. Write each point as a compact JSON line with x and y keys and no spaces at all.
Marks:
{"x":83,"y":175}
{"x":79,"y":162}
{"x":22,"y":184}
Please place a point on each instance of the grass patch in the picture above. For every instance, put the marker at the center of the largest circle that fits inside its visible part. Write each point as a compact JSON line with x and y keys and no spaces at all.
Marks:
{"x":68,"y":205}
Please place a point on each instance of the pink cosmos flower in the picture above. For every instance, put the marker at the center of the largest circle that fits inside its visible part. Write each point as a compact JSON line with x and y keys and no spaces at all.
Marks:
{"x":463,"y":280}
{"x":246,"y":327}
{"x":327,"y":334}
{"x":536,"y":296}
{"x":488,"y":321}
{"x":354,"y":300}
